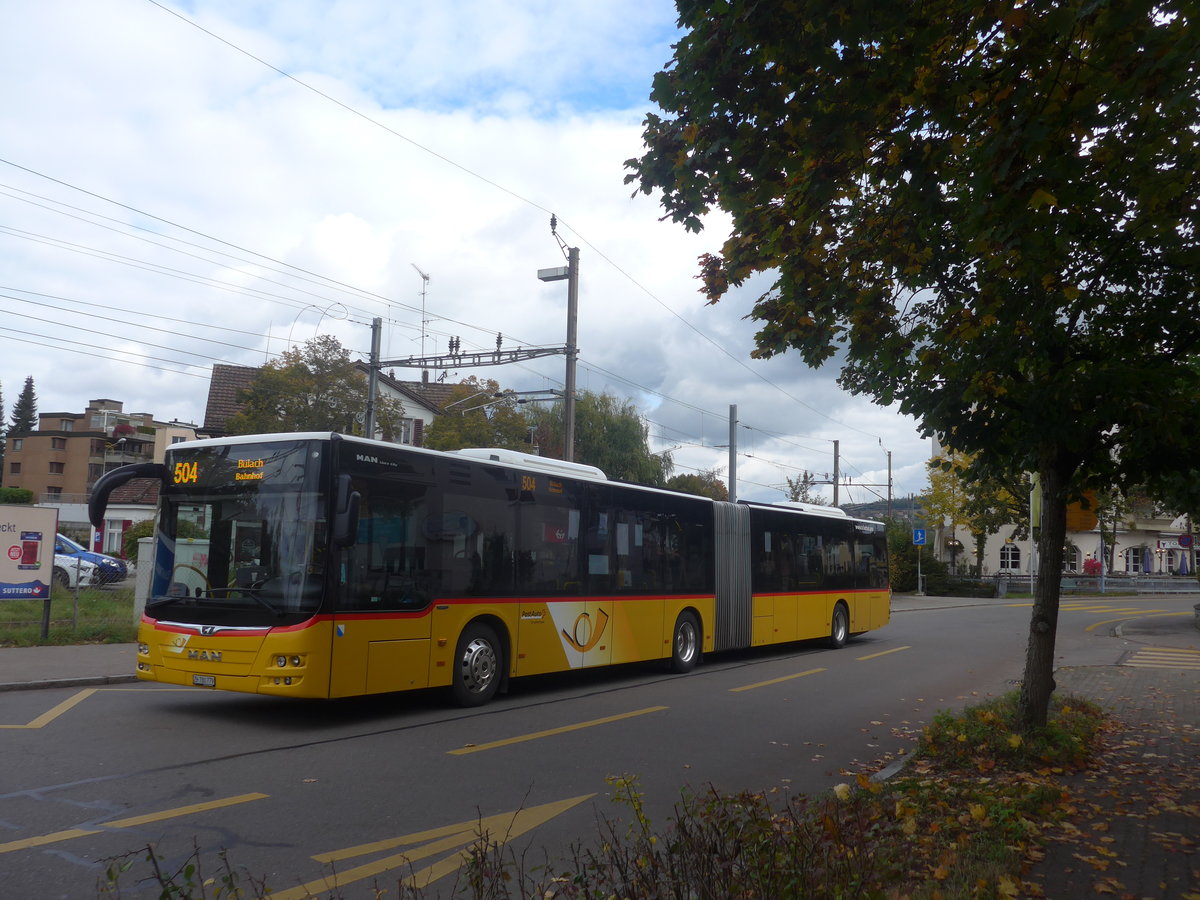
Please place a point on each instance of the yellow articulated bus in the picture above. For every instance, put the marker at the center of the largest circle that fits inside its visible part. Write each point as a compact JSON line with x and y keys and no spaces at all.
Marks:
{"x":322,"y":565}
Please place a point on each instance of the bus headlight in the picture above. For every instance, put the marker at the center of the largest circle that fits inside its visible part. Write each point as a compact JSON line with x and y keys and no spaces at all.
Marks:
{"x":281,"y":661}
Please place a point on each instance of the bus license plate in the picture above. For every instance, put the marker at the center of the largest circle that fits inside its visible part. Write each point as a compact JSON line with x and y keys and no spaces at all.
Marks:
{"x":204,"y":680}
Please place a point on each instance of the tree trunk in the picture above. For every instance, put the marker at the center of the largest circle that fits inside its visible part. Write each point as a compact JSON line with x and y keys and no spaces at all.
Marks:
{"x":1038,"y":684}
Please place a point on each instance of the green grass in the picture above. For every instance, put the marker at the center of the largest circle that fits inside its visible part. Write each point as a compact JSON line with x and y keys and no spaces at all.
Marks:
{"x":103,"y":615}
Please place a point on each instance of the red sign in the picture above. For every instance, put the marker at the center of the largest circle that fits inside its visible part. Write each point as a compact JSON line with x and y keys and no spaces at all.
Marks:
{"x":554,"y":534}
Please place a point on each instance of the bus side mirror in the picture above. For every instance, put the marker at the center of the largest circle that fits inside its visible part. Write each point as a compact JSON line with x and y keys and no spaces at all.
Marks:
{"x":345,"y":513}
{"x":113,"y":479}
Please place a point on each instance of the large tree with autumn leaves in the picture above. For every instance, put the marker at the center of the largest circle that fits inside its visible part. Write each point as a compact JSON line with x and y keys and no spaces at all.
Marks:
{"x":985,"y":212}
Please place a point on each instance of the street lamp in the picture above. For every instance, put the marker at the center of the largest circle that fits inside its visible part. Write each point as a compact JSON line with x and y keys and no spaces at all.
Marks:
{"x":570,"y":274}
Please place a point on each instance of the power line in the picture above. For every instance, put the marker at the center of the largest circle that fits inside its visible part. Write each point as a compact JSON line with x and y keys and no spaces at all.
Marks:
{"x":316,"y":278}
{"x":516,"y":196}
{"x":206,"y":281}
{"x":107,"y":356}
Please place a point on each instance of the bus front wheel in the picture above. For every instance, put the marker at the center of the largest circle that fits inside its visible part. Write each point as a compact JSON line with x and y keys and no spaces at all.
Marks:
{"x":478,"y":665}
{"x":685,"y":643}
{"x":839,"y":629}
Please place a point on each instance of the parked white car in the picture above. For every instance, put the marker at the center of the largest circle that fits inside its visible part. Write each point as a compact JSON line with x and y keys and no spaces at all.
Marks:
{"x":71,"y":571}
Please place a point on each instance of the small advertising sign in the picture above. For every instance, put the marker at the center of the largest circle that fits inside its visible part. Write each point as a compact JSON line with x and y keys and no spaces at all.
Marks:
{"x":26,"y":552}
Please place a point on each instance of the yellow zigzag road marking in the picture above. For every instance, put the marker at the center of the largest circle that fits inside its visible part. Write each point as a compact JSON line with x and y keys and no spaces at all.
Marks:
{"x":130,"y":822}
{"x":52,"y":714}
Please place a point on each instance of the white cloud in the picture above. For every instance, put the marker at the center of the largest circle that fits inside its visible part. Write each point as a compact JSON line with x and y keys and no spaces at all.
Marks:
{"x":458,"y":128}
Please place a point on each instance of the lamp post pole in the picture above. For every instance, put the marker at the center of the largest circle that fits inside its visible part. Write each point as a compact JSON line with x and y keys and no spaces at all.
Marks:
{"x":570,"y":274}
{"x":572,"y":352}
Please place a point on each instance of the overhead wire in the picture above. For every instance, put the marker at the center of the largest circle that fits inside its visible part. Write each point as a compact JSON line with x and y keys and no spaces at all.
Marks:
{"x":511,"y":193}
{"x":228,"y":286}
{"x":269,"y":296}
{"x":108,"y":355}
{"x":317,"y":278}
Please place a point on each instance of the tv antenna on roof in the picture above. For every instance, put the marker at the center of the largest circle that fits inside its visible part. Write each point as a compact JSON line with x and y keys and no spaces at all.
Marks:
{"x":424,"y":288}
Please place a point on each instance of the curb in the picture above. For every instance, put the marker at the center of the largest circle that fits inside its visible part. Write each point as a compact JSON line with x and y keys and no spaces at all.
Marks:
{"x":87,"y":681}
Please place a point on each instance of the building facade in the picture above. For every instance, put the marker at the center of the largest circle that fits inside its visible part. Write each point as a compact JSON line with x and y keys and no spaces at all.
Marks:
{"x":61,"y":461}
{"x":1140,"y":540}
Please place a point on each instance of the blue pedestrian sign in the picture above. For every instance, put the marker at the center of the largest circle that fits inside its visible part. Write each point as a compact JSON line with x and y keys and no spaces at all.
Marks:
{"x":918,"y":537}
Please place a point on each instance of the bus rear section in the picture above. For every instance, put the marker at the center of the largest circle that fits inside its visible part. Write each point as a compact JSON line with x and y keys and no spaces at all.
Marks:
{"x":794,"y":573}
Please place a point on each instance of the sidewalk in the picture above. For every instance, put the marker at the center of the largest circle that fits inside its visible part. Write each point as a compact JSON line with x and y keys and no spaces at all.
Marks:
{"x":1134,"y":831}
{"x":81,"y":665}
{"x":1135,"y":827}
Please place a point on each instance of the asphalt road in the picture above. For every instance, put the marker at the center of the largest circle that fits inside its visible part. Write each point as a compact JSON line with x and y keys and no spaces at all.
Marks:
{"x":376,"y":788}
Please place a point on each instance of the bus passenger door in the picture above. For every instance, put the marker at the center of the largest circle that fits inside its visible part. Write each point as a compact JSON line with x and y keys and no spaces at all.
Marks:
{"x":381,"y":626}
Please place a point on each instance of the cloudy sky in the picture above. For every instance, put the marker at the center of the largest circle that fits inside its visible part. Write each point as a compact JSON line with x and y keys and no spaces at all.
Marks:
{"x":183,"y":183}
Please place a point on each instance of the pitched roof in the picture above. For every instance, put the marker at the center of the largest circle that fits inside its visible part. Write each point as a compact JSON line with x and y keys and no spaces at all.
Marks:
{"x":137,"y":490}
{"x":224,"y":391}
{"x":227,"y":383}
{"x":435,"y":395}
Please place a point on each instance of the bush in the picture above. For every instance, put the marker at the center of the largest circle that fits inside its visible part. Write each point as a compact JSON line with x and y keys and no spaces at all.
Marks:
{"x":987,"y":737}
{"x":134,"y":533}
{"x":902,"y":560}
{"x":943,"y":585}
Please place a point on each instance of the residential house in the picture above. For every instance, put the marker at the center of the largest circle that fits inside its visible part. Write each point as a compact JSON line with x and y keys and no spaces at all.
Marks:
{"x":422,"y":400}
{"x":68,"y":452}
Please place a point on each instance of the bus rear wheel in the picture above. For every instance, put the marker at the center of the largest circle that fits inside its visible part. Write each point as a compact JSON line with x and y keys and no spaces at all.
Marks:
{"x":685,"y":643}
{"x":839,"y":628}
{"x":478,"y":665}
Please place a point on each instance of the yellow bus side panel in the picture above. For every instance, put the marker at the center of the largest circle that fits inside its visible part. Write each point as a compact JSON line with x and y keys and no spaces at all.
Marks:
{"x":783,"y":618}
{"x":787,"y":613}
{"x":358,"y":667}
{"x":762,"y":622}
{"x":539,"y":646}
{"x":561,"y":635}
{"x":397,"y":665}
{"x":873,"y":610}
{"x":639,"y":629}
{"x":814,"y":615}
{"x":762,"y":630}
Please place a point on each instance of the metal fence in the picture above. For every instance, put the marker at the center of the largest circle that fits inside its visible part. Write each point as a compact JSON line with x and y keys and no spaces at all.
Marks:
{"x":1112,"y":584}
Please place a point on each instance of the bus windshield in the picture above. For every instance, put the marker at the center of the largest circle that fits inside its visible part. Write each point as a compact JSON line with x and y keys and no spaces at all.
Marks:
{"x":241,"y":537}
